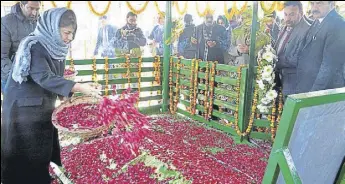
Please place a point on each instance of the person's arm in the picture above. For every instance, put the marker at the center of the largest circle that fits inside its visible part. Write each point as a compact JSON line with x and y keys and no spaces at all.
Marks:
{"x":140,"y":38}
{"x":119,"y":41}
{"x":333,"y":58}
{"x":41,"y":73}
{"x":151,"y":36}
{"x":99,"y":39}
{"x":6,"y":44}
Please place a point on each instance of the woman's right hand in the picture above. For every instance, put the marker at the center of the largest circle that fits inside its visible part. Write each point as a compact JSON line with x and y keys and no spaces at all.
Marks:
{"x":88,"y":89}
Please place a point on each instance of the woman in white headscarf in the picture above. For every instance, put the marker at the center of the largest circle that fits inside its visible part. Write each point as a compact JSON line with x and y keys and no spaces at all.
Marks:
{"x":29,"y":140}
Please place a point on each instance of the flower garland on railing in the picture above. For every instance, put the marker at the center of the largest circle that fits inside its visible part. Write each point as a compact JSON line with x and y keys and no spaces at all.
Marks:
{"x":185,"y":8}
{"x":268,"y":10}
{"x":128,"y":74}
{"x":171,"y":85}
{"x":206,"y":90}
{"x":158,"y":10}
{"x":157,"y":72}
{"x":195,"y":91}
{"x":140,"y":10}
{"x":105,"y":11}
{"x":177,"y":94}
{"x":251,"y":120}
{"x":106,"y":68}
{"x":207,"y":10}
{"x":139,"y":77}
{"x":213,"y":73}
{"x":68,"y":5}
{"x":266,"y":61}
{"x":273,"y":120}
{"x":94,"y":69}
{"x":191,"y":85}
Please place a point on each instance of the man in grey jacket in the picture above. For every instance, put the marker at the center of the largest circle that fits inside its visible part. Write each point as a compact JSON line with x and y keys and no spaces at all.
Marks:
{"x":288,"y":45}
{"x":14,"y":27}
{"x":321,"y":62}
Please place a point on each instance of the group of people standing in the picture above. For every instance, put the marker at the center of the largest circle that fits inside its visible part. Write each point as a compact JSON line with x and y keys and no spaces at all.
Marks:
{"x":33,"y":50}
{"x":310,"y":51}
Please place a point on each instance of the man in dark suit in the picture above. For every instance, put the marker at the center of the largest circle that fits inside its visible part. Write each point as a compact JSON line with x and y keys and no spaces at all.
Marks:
{"x":321,"y":62}
{"x":287,"y":45}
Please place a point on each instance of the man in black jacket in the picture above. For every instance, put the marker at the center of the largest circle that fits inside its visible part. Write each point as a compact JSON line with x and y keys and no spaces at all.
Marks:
{"x":14,"y":27}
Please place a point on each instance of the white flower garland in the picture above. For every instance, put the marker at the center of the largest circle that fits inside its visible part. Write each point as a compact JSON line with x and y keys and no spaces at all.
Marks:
{"x":265,"y":80}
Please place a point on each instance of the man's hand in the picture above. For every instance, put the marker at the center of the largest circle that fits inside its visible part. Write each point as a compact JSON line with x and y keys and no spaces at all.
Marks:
{"x":211,"y":43}
{"x":193,"y":40}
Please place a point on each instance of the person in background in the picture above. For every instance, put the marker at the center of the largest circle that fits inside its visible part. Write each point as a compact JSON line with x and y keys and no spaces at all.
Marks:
{"x":105,"y":33}
{"x":130,"y":36}
{"x":223,"y":21}
{"x":29,"y":141}
{"x":234,"y":20}
{"x":14,"y":27}
{"x":288,"y":45}
{"x":321,"y":62}
{"x":185,"y":47}
{"x":212,"y":40}
{"x":157,"y":35}
{"x":272,"y":26}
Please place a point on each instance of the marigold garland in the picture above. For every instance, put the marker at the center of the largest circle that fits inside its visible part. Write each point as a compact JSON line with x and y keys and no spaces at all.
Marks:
{"x":185,"y":8}
{"x":206,"y":90}
{"x":195,"y":91}
{"x":128,"y":74}
{"x":191,"y":85}
{"x":280,"y":5}
{"x":268,"y":10}
{"x":207,"y":10}
{"x":94,"y":68}
{"x":68,"y":5}
{"x":105,"y":11}
{"x":158,"y":10}
{"x":106,"y":68}
{"x":171,"y":84}
{"x":233,"y":10}
{"x":173,"y":106}
{"x":213,"y":72}
{"x":140,"y":10}
{"x":139,"y":77}
{"x":273,"y":120}
{"x":251,"y":119}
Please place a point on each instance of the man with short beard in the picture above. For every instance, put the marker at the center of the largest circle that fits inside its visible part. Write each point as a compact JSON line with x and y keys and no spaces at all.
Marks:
{"x":14,"y":27}
{"x":288,"y":45}
{"x":129,"y":36}
{"x":212,"y":40}
{"x":321,"y":62}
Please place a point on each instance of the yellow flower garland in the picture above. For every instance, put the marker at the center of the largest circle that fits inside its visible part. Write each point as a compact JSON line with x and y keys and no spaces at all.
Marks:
{"x":191,"y":86}
{"x":178,"y":8}
{"x":139,"y":77}
{"x":206,"y":90}
{"x":106,"y":68}
{"x":170,"y":85}
{"x":207,"y":10}
{"x":68,"y":5}
{"x":195,"y":92}
{"x":105,"y":11}
{"x":94,"y":68}
{"x":268,"y":10}
{"x":280,"y":5}
{"x":128,"y":60}
{"x":158,"y":10}
{"x":210,"y":105}
{"x":140,"y":10}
